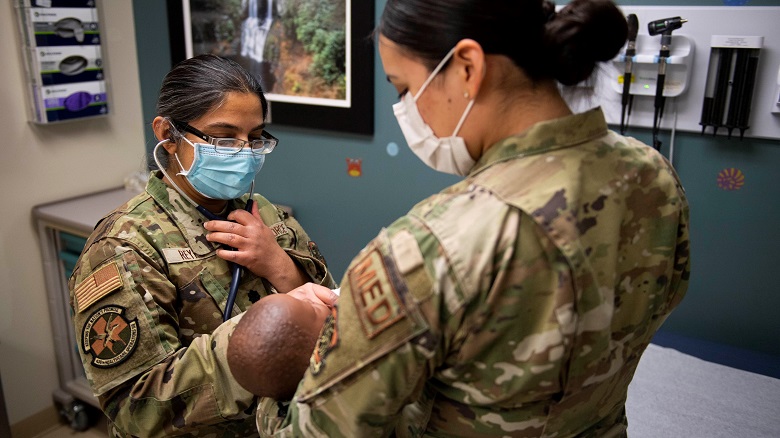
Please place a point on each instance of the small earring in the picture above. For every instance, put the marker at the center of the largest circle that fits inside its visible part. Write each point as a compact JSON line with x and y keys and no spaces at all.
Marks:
{"x":466,"y":94}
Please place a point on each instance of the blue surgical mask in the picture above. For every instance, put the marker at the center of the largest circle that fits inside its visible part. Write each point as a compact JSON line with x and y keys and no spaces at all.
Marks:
{"x":221,"y":173}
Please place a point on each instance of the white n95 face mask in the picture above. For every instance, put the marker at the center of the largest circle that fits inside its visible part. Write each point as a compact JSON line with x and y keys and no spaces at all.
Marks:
{"x":445,"y":154}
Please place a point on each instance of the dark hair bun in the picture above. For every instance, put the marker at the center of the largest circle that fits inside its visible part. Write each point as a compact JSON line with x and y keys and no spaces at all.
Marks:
{"x":548,"y":10}
{"x":580,"y":35}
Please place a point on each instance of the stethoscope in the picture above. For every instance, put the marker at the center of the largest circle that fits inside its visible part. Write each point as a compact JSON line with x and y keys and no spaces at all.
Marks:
{"x":236,"y":270}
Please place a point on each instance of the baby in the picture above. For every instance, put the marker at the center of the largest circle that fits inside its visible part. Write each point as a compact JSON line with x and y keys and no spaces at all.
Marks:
{"x":269,"y":349}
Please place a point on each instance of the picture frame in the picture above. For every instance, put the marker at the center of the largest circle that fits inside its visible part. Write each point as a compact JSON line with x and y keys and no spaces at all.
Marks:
{"x":296,"y":97}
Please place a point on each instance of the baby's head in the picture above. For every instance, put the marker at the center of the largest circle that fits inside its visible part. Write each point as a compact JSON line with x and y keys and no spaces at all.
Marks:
{"x":269,"y":349}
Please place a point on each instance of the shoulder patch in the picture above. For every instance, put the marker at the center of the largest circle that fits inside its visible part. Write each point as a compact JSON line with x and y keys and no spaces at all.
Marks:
{"x":406,"y":252}
{"x":102,"y":282}
{"x":109,"y":337}
{"x":314,"y":250}
{"x":376,"y":301}
{"x":328,"y":340}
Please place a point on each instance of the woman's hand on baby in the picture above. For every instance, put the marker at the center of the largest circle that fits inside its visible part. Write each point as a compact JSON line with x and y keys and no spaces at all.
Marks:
{"x":315,"y":293}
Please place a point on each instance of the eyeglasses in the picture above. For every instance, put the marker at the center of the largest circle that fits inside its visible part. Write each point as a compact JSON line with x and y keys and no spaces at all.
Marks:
{"x":260,"y":146}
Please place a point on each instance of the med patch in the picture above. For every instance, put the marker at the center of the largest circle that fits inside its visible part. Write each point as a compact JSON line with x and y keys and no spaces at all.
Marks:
{"x":109,"y":337}
{"x":376,"y":300}
{"x":373,"y":297}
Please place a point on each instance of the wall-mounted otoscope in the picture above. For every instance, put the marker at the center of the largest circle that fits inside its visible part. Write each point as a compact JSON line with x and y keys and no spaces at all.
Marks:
{"x":665,"y":27}
{"x":627,"y":98}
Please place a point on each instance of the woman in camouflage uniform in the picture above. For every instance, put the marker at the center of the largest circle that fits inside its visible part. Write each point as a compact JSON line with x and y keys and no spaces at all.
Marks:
{"x":518,"y":301}
{"x":149,"y":291}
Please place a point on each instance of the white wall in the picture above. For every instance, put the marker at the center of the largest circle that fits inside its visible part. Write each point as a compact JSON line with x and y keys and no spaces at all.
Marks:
{"x":40,"y":164}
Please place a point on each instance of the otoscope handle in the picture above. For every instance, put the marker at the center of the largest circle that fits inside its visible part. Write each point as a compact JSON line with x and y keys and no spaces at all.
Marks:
{"x":626,"y":88}
{"x":659,"y":93}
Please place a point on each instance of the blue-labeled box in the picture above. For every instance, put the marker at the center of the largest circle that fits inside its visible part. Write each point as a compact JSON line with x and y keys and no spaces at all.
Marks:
{"x":56,"y":103}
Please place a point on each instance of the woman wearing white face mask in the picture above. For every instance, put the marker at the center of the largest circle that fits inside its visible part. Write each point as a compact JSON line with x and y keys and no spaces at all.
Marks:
{"x":445,"y":154}
{"x":517,"y":302}
{"x":149,"y":292}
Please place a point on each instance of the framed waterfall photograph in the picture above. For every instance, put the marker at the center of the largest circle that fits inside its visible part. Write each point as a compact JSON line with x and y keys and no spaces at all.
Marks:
{"x":313,"y":58}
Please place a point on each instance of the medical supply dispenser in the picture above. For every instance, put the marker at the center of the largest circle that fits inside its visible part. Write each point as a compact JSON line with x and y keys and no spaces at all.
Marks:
{"x":62,"y":53}
{"x":731,"y":77}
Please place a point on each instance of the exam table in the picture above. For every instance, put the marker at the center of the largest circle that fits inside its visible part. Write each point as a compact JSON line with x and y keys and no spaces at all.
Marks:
{"x":674,"y":394}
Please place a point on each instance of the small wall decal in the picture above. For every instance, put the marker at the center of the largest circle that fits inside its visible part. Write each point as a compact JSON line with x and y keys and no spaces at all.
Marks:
{"x":731,"y":179}
{"x":354,"y":167}
{"x":392,"y":149}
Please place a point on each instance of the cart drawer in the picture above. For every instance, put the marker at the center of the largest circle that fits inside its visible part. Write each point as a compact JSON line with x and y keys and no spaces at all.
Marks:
{"x":71,"y":247}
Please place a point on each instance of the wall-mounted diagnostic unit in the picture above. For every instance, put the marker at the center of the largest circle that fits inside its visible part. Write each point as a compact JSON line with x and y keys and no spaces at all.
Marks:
{"x":711,"y":70}
{"x":62,"y":51}
{"x":731,"y":77}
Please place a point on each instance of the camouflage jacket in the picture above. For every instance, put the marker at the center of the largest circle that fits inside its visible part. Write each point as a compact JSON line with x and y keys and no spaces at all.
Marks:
{"x":147,"y":296}
{"x":516,"y":302}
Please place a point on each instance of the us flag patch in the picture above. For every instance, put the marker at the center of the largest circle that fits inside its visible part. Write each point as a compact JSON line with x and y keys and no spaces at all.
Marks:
{"x":102,"y":282}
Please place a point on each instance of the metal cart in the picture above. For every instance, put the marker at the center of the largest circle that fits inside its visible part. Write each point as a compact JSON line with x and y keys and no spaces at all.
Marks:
{"x":63,"y":228}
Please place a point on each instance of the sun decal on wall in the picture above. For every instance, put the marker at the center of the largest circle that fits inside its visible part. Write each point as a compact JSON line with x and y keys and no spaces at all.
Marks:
{"x":354,"y":167}
{"x":731,"y":179}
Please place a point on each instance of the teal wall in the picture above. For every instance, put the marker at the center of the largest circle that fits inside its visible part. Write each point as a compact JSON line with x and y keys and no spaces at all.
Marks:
{"x":733,"y":297}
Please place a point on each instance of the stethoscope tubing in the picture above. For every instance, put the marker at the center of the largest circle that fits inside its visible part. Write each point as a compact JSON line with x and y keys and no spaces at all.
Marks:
{"x":236,"y":270}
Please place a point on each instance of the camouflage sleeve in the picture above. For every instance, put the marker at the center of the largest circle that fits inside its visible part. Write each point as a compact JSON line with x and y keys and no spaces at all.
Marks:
{"x":307,"y":254}
{"x":368,"y":371}
{"x":682,"y":261}
{"x":423,"y":316}
{"x":296,"y":242}
{"x":148,"y":384}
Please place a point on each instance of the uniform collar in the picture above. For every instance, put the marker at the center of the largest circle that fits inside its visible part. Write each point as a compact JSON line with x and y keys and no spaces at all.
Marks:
{"x":188,"y":219}
{"x":546,"y":136}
